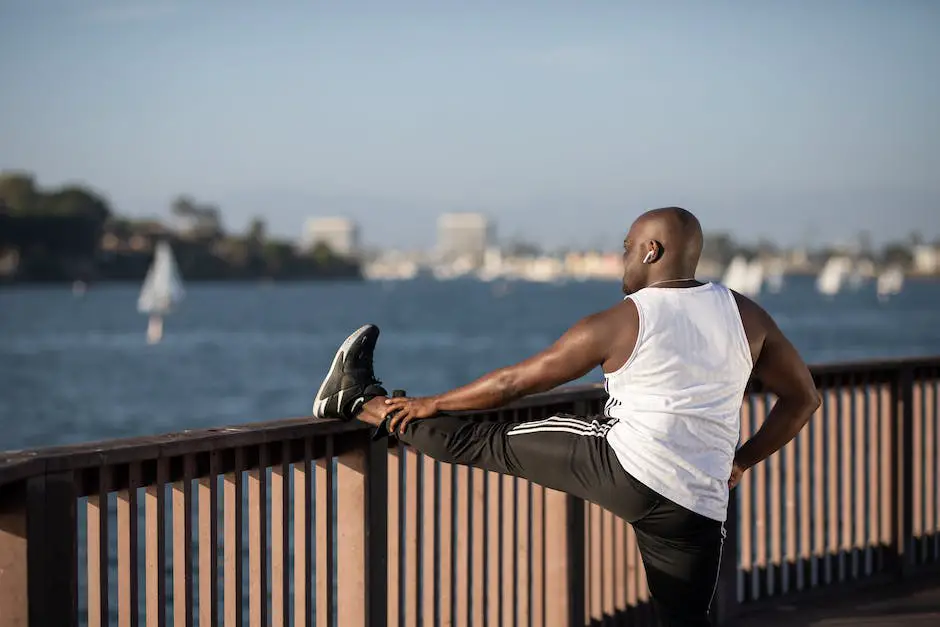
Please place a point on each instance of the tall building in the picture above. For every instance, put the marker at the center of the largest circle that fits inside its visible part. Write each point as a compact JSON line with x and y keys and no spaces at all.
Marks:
{"x":463,"y":236}
{"x":340,"y":234}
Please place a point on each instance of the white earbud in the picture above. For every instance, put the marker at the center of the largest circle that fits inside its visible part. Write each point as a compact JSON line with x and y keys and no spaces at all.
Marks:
{"x":650,"y":256}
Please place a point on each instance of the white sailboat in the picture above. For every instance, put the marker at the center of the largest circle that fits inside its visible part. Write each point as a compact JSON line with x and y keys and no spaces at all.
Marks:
{"x":890,"y":282}
{"x":858,"y":273}
{"x":755,"y":278}
{"x":735,"y":276}
{"x":162,"y":291}
{"x":830,"y":279}
{"x":775,"y":277}
{"x":743,"y":277}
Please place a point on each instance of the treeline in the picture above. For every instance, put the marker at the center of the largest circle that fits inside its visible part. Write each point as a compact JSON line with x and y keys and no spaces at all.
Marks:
{"x":71,"y":233}
{"x":721,"y":248}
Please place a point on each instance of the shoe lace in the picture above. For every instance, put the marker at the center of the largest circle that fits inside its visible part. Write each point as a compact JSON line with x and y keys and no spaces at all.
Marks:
{"x":366,"y":361}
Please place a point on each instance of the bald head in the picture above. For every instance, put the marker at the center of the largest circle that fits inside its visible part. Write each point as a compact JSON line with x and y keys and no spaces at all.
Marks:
{"x":662,"y":244}
{"x":677,"y":231}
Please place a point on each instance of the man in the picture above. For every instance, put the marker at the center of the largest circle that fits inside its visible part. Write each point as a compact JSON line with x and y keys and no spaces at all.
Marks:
{"x":677,"y":355}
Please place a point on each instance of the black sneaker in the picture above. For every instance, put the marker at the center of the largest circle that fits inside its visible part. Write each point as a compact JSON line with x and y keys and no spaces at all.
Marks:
{"x":350,"y":383}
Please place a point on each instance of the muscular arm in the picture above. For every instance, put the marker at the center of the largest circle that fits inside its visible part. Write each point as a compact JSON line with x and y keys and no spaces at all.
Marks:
{"x":582,"y":348}
{"x":603,"y":339}
{"x":782,"y":371}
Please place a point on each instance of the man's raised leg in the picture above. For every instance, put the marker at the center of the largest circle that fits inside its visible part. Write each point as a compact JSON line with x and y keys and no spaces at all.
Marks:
{"x":563,"y":452}
{"x":567,"y":453}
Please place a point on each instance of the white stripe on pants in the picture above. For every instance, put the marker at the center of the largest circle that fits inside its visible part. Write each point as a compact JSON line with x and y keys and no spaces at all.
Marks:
{"x":564,"y":424}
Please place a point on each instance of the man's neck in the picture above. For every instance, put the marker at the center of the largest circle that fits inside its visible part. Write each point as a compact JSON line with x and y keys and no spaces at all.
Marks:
{"x":675,"y":282}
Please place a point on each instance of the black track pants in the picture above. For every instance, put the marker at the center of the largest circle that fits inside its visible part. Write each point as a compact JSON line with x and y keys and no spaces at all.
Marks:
{"x":681,"y":550}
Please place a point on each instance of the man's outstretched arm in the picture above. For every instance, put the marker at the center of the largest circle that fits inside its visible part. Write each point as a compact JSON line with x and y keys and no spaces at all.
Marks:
{"x":582,"y":348}
{"x":782,"y":371}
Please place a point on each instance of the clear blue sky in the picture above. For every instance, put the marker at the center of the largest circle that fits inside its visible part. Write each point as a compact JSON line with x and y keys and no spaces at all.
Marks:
{"x":793,"y":119}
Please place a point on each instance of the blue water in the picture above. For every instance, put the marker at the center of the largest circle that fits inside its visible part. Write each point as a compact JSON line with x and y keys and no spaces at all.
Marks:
{"x":78,"y":369}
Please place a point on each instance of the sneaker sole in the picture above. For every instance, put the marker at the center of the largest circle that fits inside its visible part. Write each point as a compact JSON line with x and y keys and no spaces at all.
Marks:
{"x":318,"y":401}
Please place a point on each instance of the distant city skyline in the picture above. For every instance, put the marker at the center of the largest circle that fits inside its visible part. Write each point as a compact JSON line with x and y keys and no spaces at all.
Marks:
{"x":800,"y":122}
{"x":340,"y":234}
{"x":464,"y":236}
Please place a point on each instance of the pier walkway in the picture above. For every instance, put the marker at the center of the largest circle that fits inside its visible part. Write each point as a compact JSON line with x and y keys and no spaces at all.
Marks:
{"x":297,"y":523}
{"x":911,"y":603}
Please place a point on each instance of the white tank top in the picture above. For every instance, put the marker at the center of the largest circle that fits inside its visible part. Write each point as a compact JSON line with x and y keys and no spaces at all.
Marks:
{"x":678,"y":398}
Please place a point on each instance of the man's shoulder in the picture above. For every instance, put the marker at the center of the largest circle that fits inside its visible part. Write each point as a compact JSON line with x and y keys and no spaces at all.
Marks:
{"x":757,"y":322}
{"x":626,"y":308}
{"x":747,"y":306}
{"x":620,"y":317}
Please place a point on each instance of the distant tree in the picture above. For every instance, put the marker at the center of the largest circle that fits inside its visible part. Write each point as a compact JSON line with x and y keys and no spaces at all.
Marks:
{"x":719,"y":248}
{"x":766,"y":247}
{"x":521,"y":248}
{"x":75,"y":201}
{"x":56,"y":232}
{"x":19,"y":194}
{"x":211,"y":220}
{"x":277,"y":256}
{"x":748,"y":252}
{"x":322,"y":253}
{"x":257,"y":232}
{"x":18,"y":191}
{"x":201,"y":220}
{"x":897,"y":253}
{"x":235,"y":251}
{"x":183,"y":207}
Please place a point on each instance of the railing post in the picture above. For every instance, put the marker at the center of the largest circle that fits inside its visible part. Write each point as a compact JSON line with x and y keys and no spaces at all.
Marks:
{"x":575,"y":544}
{"x":902,"y":409}
{"x":51,"y":555}
{"x":725,"y":604}
{"x":376,"y":558}
{"x":564,"y":581}
{"x":13,"y":596}
{"x":362,"y":534}
{"x":576,"y":561}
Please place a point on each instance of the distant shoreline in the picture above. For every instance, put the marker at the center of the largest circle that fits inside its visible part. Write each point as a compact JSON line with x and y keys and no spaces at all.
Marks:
{"x":200,"y":281}
{"x":120,"y":282}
